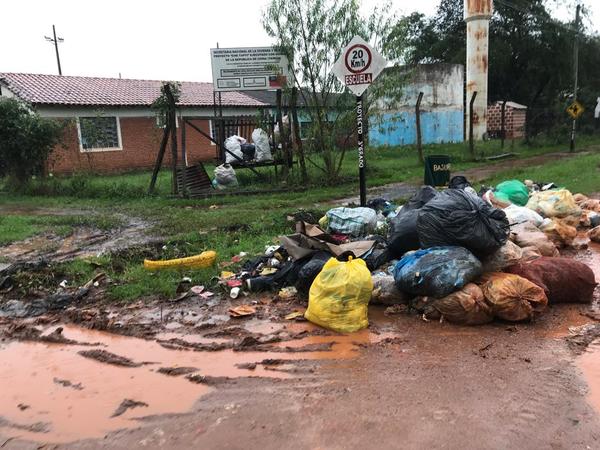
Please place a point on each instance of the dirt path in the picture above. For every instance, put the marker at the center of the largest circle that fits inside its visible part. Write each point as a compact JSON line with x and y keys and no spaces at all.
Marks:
{"x":405,"y":189}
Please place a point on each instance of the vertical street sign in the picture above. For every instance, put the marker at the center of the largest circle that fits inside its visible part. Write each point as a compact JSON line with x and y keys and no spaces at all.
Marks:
{"x":357,"y":67}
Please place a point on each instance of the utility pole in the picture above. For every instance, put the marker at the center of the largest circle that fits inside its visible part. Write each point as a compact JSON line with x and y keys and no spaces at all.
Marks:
{"x":55,"y":41}
{"x":575,"y":72}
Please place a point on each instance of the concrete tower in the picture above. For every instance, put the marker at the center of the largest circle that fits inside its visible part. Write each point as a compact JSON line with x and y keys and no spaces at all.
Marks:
{"x":477,"y":15}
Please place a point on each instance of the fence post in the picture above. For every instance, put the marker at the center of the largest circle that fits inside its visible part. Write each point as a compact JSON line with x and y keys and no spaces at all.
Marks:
{"x":418,"y":122}
{"x":471,"y":114}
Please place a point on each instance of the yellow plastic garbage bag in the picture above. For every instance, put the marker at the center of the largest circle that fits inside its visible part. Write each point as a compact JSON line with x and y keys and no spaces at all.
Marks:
{"x":559,"y":203}
{"x":201,"y":261}
{"x":339,"y":297}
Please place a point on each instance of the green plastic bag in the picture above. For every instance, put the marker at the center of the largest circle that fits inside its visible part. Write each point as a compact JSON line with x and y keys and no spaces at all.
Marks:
{"x":339,"y":297}
{"x":514,"y":191}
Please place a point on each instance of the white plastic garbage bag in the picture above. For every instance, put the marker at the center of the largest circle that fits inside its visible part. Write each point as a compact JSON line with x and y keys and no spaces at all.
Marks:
{"x":224,"y":177}
{"x":261,"y":142}
{"x":520,"y":214}
{"x":234,"y":145}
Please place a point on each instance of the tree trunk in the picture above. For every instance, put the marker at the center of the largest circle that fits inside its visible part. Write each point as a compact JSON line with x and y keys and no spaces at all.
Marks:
{"x":297,"y":140}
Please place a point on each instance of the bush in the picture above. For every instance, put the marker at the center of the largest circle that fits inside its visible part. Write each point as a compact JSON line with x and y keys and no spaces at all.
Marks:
{"x":26,"y":140}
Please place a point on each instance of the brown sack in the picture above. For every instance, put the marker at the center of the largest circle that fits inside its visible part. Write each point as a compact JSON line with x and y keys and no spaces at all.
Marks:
{"x":528,"y":235}
{"x":560,"y":232}
{"x":512,"y":297}
{"x":564,"y":280}
{"x":467,"y":306}
{"x":594,"y":234}
{"x":579,"y":198}
{"x":591,"y":204}
{"x":530,"y":253}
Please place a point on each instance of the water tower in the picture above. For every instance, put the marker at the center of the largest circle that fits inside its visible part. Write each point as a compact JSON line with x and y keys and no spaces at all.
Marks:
{"x":477,"y":16}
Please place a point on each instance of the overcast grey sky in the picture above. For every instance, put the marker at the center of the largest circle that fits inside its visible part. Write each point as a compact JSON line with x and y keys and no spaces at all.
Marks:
{"x":148,"y":39}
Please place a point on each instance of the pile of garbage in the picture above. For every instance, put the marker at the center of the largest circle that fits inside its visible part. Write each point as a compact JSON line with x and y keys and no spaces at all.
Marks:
{"x":454,"y":255}
{"x":241,"y":150}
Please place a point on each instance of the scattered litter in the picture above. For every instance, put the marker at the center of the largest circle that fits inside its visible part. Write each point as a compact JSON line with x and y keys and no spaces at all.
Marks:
{"x":63,"y":284}
{"x":201,"y":261}
{"x":235,"y":292}
{"x":227,"y":275}
{"x":294,"y":315}
{"x":594,"y":234}
{"x":288,"y":292}
{"x":242,"y":311}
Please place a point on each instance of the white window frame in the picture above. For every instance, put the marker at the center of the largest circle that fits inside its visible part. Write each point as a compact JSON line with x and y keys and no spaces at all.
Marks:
{"x":210,"y":131}
{"x":105,"y":149}
{"x":158,"y":125}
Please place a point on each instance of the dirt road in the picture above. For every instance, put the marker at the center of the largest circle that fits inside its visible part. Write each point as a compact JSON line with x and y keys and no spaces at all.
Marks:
{"x":188,"y":376}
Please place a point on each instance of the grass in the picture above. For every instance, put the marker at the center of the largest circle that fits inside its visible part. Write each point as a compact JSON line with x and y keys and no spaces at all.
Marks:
{"x":232,"y":224}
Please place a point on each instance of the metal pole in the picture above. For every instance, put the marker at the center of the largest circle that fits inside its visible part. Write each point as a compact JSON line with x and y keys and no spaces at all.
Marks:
{"x":56,"y":48}
{"x":575,"y":72}
{"x":418,"y":122}
{"x":361,"y":151}
{"x":471,"y":143}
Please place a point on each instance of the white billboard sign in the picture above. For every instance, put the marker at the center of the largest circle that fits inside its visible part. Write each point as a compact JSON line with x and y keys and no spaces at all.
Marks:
{"x":248,"y":69}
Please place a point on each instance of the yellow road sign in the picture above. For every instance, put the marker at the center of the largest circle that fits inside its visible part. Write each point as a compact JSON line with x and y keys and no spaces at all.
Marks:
{"x":575,"y":109}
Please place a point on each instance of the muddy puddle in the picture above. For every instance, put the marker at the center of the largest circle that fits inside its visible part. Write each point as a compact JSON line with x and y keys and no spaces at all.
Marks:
{"x":52,"y":393}
{"x":589,"y":364}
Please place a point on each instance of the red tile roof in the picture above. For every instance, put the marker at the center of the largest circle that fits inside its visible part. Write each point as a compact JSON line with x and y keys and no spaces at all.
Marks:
{"x":68,"y":90}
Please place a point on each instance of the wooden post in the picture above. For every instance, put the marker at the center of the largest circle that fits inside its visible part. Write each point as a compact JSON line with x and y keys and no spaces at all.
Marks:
{"x":418,"y":121}
{"x":285,"y":165}
{"x":297,"y":138}
{"x":159,"y":157}
{"x":471,"y":114}
{"x":173,"y":125}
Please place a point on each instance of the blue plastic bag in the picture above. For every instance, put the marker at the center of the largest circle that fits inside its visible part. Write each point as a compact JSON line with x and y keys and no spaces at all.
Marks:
{"x":436,"y":271}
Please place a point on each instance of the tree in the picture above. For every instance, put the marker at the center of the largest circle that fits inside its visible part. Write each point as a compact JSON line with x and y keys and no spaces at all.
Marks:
{"x":26,"y":140}
{"x":530,"y":54}
{"x":312,"y":33}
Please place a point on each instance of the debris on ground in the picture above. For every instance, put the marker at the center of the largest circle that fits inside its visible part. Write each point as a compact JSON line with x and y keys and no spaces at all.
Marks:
{"x":201,"y":261}
{"x":128,"y":404}
{"x":242,"y":311}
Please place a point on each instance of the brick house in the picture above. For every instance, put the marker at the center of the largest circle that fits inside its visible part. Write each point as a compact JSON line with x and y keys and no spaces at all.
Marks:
{"x":111,"y":126}
{"x":515,"y":118}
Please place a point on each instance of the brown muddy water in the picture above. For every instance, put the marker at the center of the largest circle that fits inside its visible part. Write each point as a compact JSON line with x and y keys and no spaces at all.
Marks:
{"x":51,"y":393}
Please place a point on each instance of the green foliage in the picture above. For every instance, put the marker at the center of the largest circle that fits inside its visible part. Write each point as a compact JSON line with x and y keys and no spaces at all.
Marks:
{"x":161,"y":104}
{"x":530,"y":57}
{"x":26,"y":140}
{"x":312,"y":33}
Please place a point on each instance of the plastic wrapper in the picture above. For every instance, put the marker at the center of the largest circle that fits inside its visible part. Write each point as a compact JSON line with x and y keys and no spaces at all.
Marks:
{"x":557,"y":203}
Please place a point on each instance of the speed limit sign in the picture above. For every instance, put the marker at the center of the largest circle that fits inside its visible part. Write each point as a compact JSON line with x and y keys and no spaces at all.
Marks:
{"x":358,"y":65}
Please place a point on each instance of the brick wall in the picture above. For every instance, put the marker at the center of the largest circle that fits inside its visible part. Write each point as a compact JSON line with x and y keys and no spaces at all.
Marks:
{"x":140,"y":138}
{"x":514,"y":121}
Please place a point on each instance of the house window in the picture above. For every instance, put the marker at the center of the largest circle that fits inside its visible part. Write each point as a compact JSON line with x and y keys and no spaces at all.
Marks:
{"x":99,"y":134}
{"x":230,"y":130}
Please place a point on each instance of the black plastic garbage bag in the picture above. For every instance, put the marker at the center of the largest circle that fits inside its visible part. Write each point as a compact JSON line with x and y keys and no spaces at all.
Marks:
{"x":458,"y":182}
{"x":402,"y":235}
{"x":436,"y":271}
{"x":456,"y":217}
{"x":310,"y":270}
{"x":420,"y":198}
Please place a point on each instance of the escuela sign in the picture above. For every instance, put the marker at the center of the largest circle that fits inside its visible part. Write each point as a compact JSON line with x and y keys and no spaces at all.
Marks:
{"x":358,"y":65}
